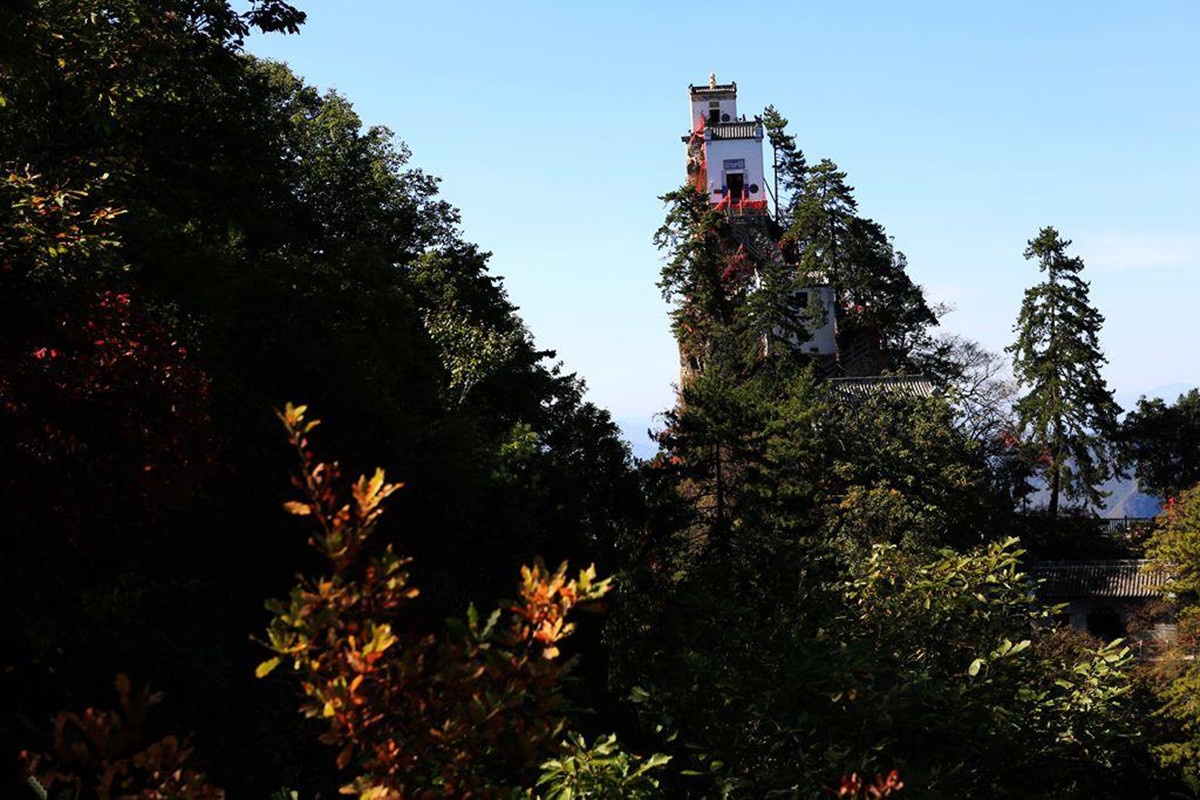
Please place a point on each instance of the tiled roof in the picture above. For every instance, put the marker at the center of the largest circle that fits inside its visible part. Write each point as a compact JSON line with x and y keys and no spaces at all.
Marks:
{"x":733,"y":130}
{"x":719,"y":89}
{"x":858,"y":389}
{"x":1124,"y":578}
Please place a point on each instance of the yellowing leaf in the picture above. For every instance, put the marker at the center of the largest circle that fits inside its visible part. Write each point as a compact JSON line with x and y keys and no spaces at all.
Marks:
{"x":376,"y":482}
{"x":264,"y":669}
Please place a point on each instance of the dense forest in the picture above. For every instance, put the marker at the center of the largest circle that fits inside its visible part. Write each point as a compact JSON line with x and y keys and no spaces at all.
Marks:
{"x":223,"y":298}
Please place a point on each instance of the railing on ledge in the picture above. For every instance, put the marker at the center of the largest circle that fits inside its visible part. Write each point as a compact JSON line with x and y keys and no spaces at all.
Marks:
{"x":1108,"y":526}
{"x":741,"y":207}
{"x":747,"y":208}
{"x":1112,"y":526}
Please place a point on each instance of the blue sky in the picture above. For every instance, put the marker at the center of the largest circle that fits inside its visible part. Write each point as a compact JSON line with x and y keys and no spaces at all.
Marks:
{"x":964,"y":127}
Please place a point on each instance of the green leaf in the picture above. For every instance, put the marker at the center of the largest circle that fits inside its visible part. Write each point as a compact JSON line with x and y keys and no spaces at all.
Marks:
{"x":493,"y":618}
{"x":976,"y":665}
{"x":638,"y":695}
{"x":37,"y":787}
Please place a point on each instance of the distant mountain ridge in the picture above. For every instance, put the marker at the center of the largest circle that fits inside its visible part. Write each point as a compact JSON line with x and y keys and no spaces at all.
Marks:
{"x":635,"y":431}
{"x":1125,"y":499}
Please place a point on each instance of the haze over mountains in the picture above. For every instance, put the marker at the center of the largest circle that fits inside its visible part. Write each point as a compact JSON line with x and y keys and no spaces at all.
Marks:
{"x":1124,"y":498}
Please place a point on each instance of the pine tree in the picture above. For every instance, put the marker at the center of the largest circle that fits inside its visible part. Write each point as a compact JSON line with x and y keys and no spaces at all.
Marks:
{"x":727,"y":307}
{"x":789,"y":165}
{"x":697,"y":276}
{"x":1069,"y":411}
{"x":855,"y":255}
{"x":824,"y":220}
{"x":747,"y":450}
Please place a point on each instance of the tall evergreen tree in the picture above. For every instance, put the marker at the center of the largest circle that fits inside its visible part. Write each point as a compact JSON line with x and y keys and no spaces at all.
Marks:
{"x":697,"y":278}
{"x":824,"y":221}
{"x":1069,"y":411}
{"x":789,"y":166}
{"x":855,"y":255}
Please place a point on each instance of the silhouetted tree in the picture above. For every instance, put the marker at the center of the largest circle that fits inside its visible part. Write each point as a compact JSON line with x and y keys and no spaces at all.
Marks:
{"x":1163,"y":443}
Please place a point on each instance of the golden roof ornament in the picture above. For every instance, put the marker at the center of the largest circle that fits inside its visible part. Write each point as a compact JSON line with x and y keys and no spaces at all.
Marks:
{"x":712,"y":80}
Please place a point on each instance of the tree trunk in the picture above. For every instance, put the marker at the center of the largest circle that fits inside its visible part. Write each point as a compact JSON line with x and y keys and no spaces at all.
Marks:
{"x":1054,"y":490}
{"x":1056,"y":463}
{"x":720,"y":491}
{"x":775,"y":175}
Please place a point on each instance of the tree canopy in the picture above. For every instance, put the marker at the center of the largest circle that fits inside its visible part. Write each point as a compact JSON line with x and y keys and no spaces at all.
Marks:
{"x":1068,"y":410}
{"x":1163,"y":443}
{"x":190,"y":237}
{"x":800,"y":594}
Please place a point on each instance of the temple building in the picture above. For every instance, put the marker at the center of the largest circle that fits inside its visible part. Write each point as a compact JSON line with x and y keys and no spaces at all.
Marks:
{"x":1110,"y":599}
{"x":724,"y":151}
{"x":724,"y":154}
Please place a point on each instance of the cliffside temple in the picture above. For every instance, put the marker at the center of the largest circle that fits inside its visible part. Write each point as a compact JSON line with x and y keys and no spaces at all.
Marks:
{"x":724,"y":160}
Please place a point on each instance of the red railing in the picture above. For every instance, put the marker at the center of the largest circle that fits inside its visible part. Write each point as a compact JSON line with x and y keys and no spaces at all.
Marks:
{"x":741,"y":206}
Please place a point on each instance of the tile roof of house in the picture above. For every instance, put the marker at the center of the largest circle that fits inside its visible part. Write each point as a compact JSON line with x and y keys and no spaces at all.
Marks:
{"x":856,"y":390}
{"x":1128,"y":578}
{"x":719,"y":131}
{"x":714,"y":91}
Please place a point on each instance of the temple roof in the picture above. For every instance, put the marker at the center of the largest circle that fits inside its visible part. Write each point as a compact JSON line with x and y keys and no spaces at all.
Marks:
{"x":856,"y":390}
{"x":719,"y":90}
{"x":1127,"y":578}
{"x":734,"y":130}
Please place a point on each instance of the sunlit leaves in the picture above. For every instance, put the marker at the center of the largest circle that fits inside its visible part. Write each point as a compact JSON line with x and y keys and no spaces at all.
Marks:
{"x":267,"y":667}
{"x":598,"y":770}
{"x":1174,"y":548}
{"x":471,"y":351}
{"x":460,"y":712}
{"x":48,"y":228}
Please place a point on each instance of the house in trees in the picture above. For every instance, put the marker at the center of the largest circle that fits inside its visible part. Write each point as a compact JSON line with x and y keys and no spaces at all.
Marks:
{"x":725,"y":160}
{"x":724,"y":151}
{"x":724,"y":154}
{"x":1110,"y":599}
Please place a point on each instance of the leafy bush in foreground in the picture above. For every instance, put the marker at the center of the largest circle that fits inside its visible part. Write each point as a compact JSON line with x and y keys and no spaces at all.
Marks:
{"x":469,"y":713}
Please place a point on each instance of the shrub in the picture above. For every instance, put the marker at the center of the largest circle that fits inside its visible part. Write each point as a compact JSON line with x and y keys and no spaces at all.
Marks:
{"x":101,"y":754}
{"x":468,"y":713}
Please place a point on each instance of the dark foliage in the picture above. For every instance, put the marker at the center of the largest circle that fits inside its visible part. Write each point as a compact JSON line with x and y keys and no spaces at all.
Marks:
{"x":1163,"y":443}
{"x":189,"y":237}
